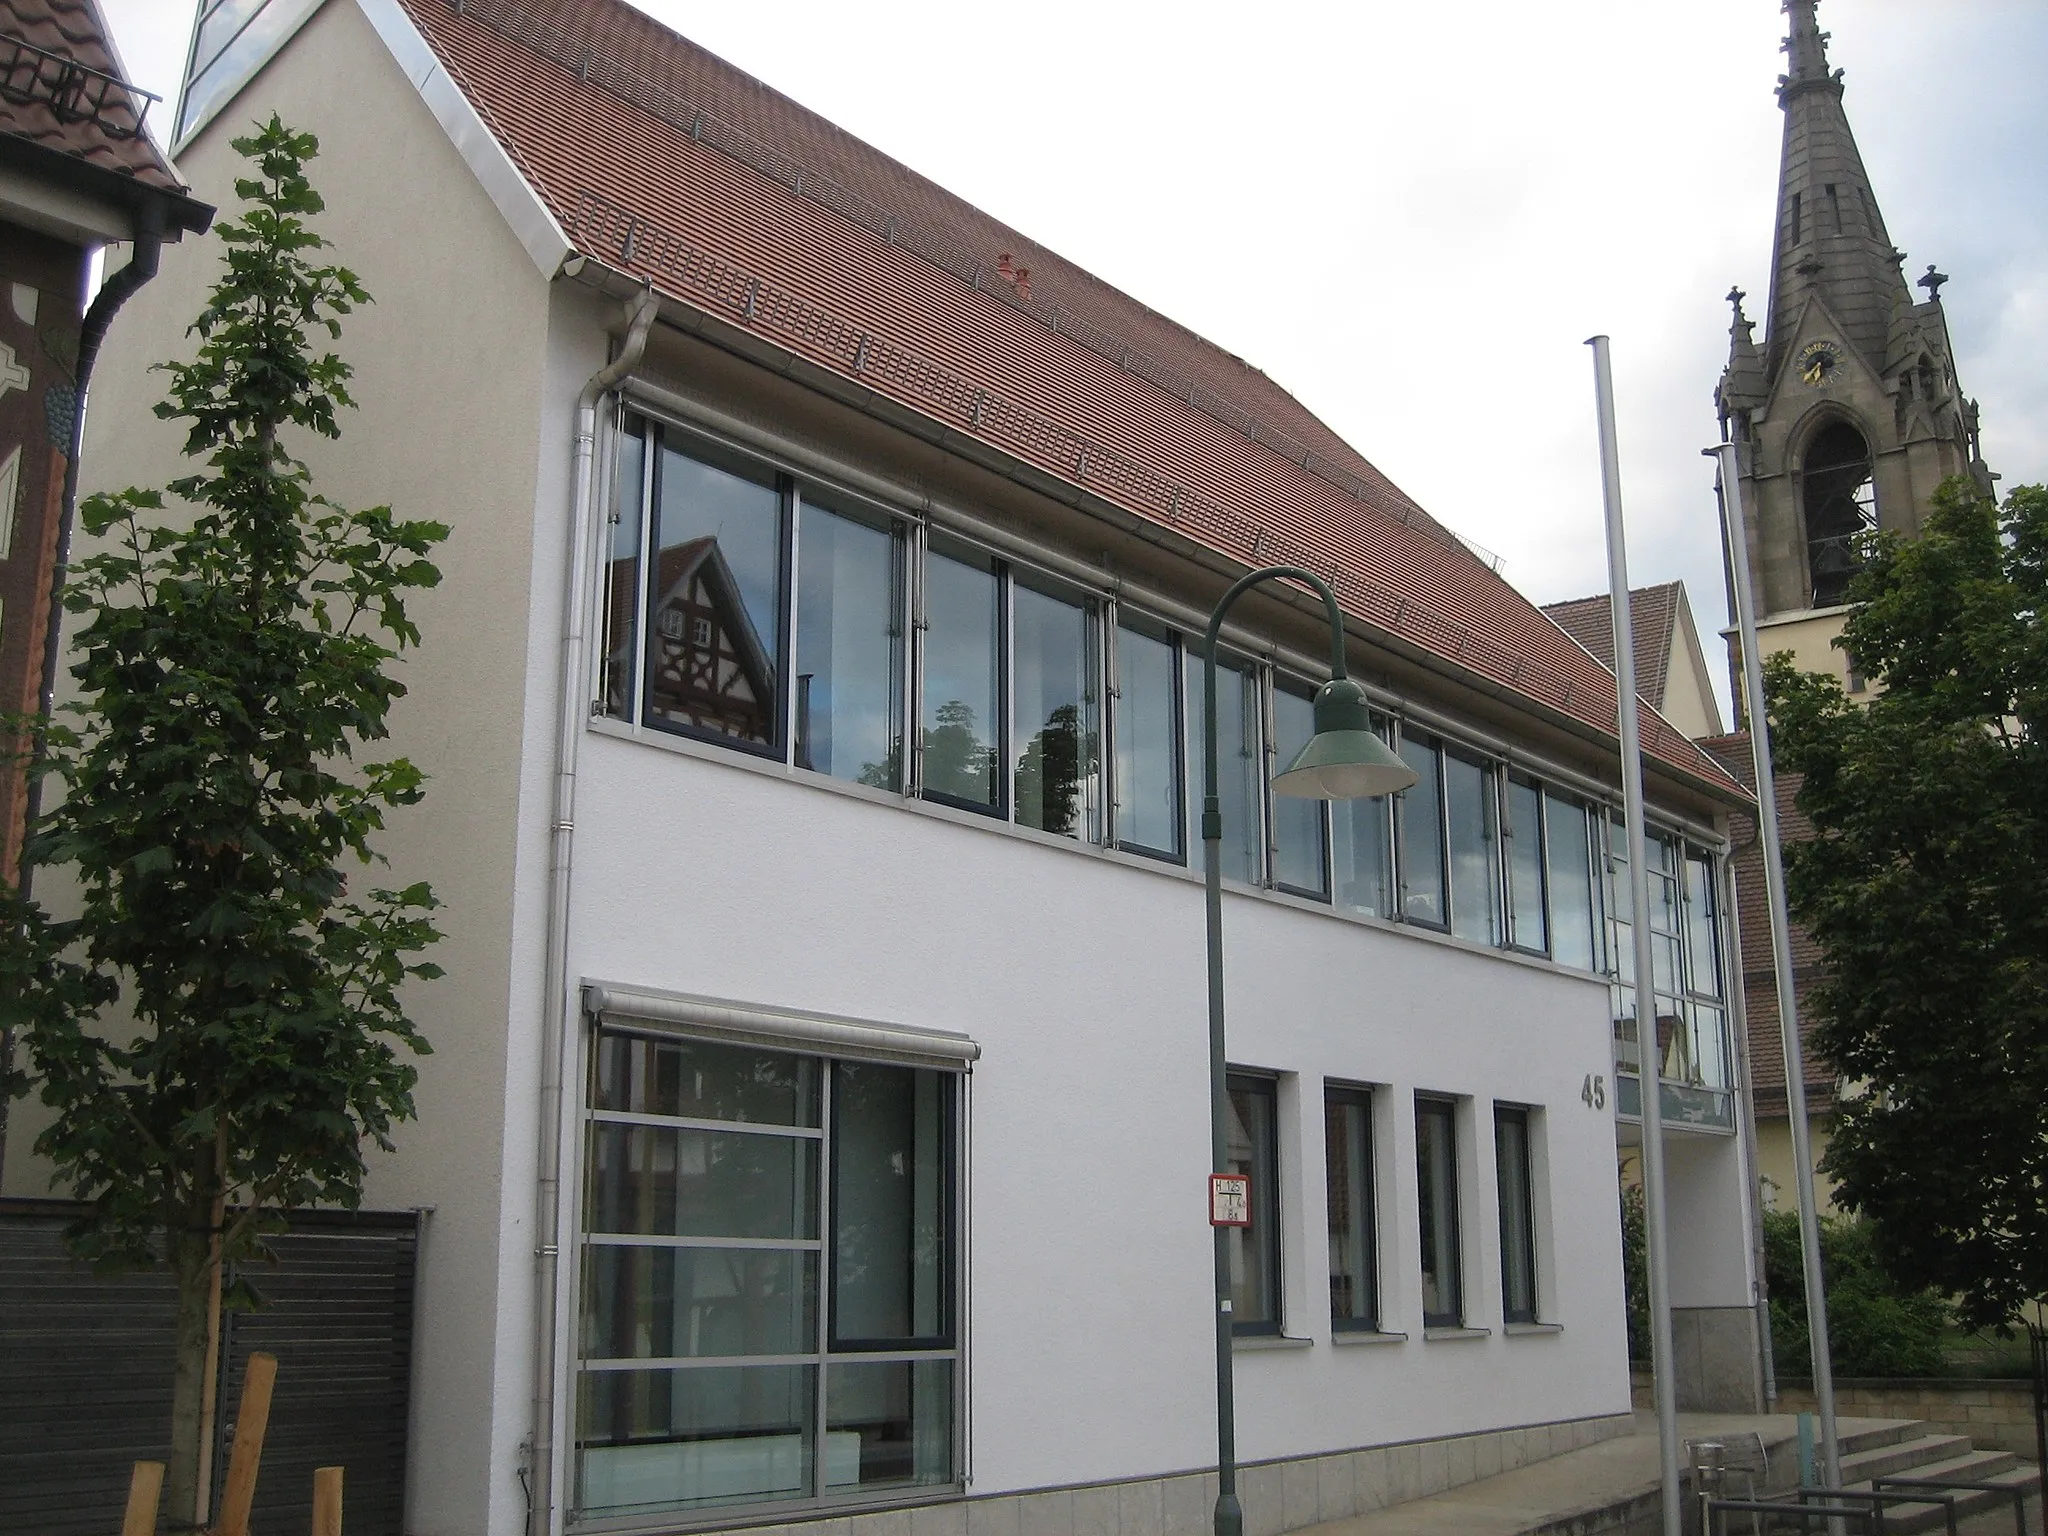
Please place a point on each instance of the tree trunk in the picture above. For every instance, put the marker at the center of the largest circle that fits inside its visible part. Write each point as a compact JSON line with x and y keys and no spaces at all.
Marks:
{"x":193,"y":1243}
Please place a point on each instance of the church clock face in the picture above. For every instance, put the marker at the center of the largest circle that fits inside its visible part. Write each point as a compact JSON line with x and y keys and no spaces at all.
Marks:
{"x":1819,"y":363}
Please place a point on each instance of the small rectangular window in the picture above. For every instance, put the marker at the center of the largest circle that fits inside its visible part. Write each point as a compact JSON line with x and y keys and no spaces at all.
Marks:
{"x":1150,"y":816}
{"x":1528,"y":927}
{"x":1436,"y":1174}
{"x":1419,"y":814}
{"x":1574,"y":895}
{"x":1252,"y":1148}
{"x":1300,"y":833}
{"x":1055,"y":697}
{"x":1354,"y":1258}
{"x":963,"y":667}
{"x":1239,"y":758}
{"x":1517,"y":1214}
{"x":1473,"y":820}
{"x":717,"y":557}
{"x":849,"y":645}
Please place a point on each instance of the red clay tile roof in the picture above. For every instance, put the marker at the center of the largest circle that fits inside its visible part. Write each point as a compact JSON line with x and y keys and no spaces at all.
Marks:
{"x":1758,"y":967}
{"x":1653,"y":615}
{"x":97,"y":120}
{"x":666,"y":162}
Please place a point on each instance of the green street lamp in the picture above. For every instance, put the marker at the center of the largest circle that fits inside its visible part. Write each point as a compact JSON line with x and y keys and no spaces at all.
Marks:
{"x":1344,"y":760}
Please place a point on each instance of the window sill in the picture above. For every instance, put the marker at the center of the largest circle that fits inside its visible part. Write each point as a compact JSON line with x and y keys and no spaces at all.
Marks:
{"x":1526,"y":1330}
{"x":1250,"y":1341}
{"x":1344,"y":1338}
{"x":1435,"y":1334}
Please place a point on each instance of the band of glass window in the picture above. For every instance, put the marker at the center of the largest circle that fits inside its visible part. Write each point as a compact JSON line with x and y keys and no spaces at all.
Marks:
{"x":750,"y":607}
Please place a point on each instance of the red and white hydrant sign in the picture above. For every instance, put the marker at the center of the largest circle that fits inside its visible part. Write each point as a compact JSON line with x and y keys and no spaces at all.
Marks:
{"x":1230,"y":1200}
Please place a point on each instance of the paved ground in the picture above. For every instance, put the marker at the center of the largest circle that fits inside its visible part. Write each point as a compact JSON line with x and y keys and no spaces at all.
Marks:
{"x":1598,"y":1478}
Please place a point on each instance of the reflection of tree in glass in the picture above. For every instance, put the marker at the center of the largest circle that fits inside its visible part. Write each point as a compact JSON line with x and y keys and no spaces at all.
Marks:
{"x":956,"y":762}
{"x":888,"y":773}
{"x":1049,"y":774}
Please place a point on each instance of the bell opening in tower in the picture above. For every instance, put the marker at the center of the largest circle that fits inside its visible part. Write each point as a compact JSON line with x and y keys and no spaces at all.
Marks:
{"x":1838,"y":505}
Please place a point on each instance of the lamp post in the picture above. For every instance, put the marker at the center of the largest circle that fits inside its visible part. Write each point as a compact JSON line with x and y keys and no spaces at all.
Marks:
{"x":1344,"y":760}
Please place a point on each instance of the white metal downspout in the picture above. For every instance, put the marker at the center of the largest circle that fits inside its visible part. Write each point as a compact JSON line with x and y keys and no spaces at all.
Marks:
{"x":558,"y":1040}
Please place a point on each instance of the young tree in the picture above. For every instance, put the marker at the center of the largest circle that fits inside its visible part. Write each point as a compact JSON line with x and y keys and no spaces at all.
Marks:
{"x":1926,"y":888}
{"x":215,"y":1022}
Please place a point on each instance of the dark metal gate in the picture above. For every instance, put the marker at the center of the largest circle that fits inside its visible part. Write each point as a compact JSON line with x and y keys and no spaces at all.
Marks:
{"x":86,"y":1365}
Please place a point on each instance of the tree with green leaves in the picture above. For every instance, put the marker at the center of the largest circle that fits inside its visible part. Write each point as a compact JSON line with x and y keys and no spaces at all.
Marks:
{"x":214,"y":1021}
{"x":1926,"y":888}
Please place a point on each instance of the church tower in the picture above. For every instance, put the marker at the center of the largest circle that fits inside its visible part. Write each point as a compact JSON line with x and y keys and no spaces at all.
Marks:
{"x":1849,"y":414}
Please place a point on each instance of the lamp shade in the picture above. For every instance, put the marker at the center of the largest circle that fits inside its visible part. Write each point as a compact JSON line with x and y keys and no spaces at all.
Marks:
{"x":1345,"y":759}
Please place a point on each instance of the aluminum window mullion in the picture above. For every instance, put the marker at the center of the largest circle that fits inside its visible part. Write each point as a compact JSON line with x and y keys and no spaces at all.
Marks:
{"x":828,"y":1254}
{"x":688,"y":1123}
{"x":920,"y":632}
{"x":1264,"y":720}
{"x":675,"y":1240}
{"x":1006,"y":690}
{"x":643,"y":614}
{"x":792,"y":556}
{"x":1107,"y":722}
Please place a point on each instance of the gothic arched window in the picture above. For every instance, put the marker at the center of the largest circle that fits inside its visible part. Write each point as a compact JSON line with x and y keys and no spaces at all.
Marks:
{"x":1836,"y":502}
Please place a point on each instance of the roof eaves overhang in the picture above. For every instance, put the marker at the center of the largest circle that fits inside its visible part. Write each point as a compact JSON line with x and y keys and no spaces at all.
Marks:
{"x":507,"y":185}
{"x":94,"y":189}
{"x":684,"y":316}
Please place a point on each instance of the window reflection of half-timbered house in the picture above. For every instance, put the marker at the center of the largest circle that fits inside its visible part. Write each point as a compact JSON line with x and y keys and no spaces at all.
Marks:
{"x":706,"y":666}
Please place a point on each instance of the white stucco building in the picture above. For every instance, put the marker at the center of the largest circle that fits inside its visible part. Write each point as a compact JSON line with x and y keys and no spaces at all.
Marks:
{"x":817,"y":1120}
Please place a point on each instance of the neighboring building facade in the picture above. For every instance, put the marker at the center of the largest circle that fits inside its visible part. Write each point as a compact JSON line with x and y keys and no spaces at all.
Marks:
{"x":77,"y":173}
{"x":817,"y":1125}
{"x":1671,"y":664}
{"x":1847,"y":418}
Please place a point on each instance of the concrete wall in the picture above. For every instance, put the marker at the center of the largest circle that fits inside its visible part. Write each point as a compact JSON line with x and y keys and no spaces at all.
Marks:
{"x":452,"y":426}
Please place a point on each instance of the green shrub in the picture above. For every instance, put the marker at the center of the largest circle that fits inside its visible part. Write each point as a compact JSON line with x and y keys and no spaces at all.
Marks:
{"x":1875,"y":1328}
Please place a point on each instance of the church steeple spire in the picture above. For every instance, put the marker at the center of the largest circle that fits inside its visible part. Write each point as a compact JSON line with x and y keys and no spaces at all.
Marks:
{"x":1831,"y":239}
{"x":1807,"y":46}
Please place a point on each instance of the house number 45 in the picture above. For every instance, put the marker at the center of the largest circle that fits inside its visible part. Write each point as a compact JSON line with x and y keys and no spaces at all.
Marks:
{"x":1593,"y":1091}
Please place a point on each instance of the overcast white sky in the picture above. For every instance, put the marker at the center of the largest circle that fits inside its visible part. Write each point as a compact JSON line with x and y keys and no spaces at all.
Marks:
{"x":1412,"y":216}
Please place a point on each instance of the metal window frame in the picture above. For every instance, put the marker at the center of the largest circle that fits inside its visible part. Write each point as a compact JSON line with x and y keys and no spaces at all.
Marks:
{"x":1405,"y":805}
{"x":1142,"y":623}
{"x":1511,"y":831}
{"x":1524,"y":1214}
{"x":829,"y":1039}
{"x":1446,"y":1105}
{"x":1271,"y":1251}
{"x":1339,"y":1095}
{"x":1277,"y":683}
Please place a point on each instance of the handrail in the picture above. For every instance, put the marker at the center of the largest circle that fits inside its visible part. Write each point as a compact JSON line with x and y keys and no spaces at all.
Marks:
{"x":1966,"y":1484}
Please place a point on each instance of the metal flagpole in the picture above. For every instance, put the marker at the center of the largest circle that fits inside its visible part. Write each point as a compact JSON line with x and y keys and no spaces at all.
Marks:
{"x":1730,"y":490}
{"x":1649,"y":1058}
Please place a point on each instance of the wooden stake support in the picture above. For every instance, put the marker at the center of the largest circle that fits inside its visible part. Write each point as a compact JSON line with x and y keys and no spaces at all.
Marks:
{"x":327,"y":1501}
{"x":145,"y":1486}
{"x":252,"y":1420}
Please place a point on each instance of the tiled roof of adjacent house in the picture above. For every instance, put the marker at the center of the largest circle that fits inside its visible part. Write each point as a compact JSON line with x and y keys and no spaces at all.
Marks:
{"x":1653,"y":613}
{"x":664,"y":161}
{"x":95,"y":116}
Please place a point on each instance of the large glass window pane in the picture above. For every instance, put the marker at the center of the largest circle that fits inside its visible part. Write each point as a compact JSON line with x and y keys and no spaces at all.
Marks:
{"x":662,"y":1303}
{"x":679,"y":1183}
{"x":1252,"y":1148}
{"x":622,"y":571}
{"x":1703,"y":935}
{"x":1574,"y":899}
{"x":1436,"y":1171}
{"x":1354,"y":1264}
{"x":849,"y":647}
{"x":888,"y":1423}
{"x":1420,"y":813}
{"x":714,"y":642}
{"x":1517,"y":1214}
{"x":1475,"y":870}
{"x":1361,"y":849}
{"x":962,"y":680}
{"x":1053,"y":671}
{"x":1528,"y":927}
{"x":1149,"y":817}
{"x":699,"y":1080}
{"x":653,"y":1439}
{"x":1300,"y":862}
{"x":890,"y":1204}
{"x":1238,"y":761}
